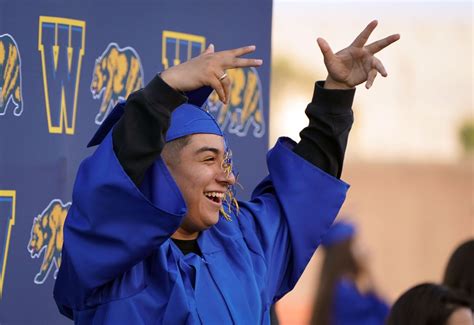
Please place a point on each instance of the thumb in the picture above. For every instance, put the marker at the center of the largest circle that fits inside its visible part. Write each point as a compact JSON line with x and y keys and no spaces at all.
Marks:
{"x":325,"y":48}
{"x":210,"y":49}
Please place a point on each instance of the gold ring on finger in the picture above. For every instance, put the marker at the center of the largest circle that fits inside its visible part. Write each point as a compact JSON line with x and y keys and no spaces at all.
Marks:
{"x":223,"y":76}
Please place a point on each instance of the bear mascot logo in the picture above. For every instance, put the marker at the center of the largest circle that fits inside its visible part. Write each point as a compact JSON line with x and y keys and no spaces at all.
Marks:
{"x":47,"y":237}
{"x":10,"y":76}
{"x":245,"y":107}
{"x":117,"y":73}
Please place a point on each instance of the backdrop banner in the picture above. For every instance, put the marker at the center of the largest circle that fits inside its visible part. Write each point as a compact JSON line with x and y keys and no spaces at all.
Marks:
{"x":63,"y":67}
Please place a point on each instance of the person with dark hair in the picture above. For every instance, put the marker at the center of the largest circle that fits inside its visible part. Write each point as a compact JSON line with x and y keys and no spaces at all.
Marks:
{"x":154,"y":234}
{"x":346,"y":293}
{"x":459,"y":274}
{"x":431,"y":304}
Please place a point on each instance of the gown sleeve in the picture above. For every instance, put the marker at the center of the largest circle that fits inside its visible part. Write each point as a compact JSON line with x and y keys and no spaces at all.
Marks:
{"x":113,"y":223}
{"x":324,"y":140}
{"x":293,"y":207}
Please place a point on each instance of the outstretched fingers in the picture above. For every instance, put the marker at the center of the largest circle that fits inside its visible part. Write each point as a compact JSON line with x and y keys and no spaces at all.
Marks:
{"x":231,"y":63}
{"x":241,"y":50}
{"x":365,"y":34}
{"x":231,"y":58}
{"x":383,"y":43}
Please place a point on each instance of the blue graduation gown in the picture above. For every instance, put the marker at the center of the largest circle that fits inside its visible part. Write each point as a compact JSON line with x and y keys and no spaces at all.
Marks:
{"x":119,"y":265}
{"x":352,"y":307}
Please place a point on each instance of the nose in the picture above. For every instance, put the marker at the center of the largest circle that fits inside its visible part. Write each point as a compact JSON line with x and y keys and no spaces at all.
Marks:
{"x":226,"y":178}
{"x":231,"y":178}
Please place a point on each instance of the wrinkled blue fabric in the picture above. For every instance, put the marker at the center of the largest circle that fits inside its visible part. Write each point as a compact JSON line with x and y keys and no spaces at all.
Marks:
{"x":119,"y":265}
{"x":352,"y":307}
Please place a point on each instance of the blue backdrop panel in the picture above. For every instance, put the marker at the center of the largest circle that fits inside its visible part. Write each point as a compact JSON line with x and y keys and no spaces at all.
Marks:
{"x":62,"y":68}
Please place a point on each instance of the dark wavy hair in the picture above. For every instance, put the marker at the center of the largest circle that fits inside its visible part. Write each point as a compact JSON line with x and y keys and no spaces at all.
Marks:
{"x":426,"y":304}
{"x":459,"y":274}
{"x":338,"y":262}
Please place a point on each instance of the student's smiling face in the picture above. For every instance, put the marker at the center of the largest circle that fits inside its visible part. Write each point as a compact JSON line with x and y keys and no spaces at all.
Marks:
{"x":203,"y":182}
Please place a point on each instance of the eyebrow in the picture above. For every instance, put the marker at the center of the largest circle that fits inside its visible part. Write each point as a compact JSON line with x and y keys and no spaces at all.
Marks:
{"x":204,"y":149}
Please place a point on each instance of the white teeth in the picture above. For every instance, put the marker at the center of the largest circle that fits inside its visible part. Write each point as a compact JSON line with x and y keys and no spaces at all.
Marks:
{"x":214,"y":194}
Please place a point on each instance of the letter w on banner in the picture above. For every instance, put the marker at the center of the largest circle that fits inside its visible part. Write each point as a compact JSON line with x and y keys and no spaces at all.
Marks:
{"x":7,"y":220}
{"x":180,"y":47}
{"x":61,"y":42}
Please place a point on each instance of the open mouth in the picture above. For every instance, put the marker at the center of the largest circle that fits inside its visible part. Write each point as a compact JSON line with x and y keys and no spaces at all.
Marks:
{"x":216,"y":197}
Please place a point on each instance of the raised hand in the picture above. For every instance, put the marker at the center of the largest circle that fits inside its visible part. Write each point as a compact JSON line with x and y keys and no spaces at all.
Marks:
{"x":356,"y":63}
{"x":208,"y":69}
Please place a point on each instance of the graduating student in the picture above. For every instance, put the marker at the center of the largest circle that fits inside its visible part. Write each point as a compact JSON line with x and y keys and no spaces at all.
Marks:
{"x":346,"y":292}
{"x":154,"y":234}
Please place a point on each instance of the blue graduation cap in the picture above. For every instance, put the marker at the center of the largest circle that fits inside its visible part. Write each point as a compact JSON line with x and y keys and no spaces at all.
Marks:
{"x":339,"y":232}
{"x":188,"y":118}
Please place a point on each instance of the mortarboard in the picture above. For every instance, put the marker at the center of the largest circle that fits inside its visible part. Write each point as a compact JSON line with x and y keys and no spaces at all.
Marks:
{"x":339,"y":232}
{"x":188,"y":118}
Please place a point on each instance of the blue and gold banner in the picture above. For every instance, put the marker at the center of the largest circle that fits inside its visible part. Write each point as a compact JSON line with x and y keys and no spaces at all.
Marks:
{"x":63,"y":67}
